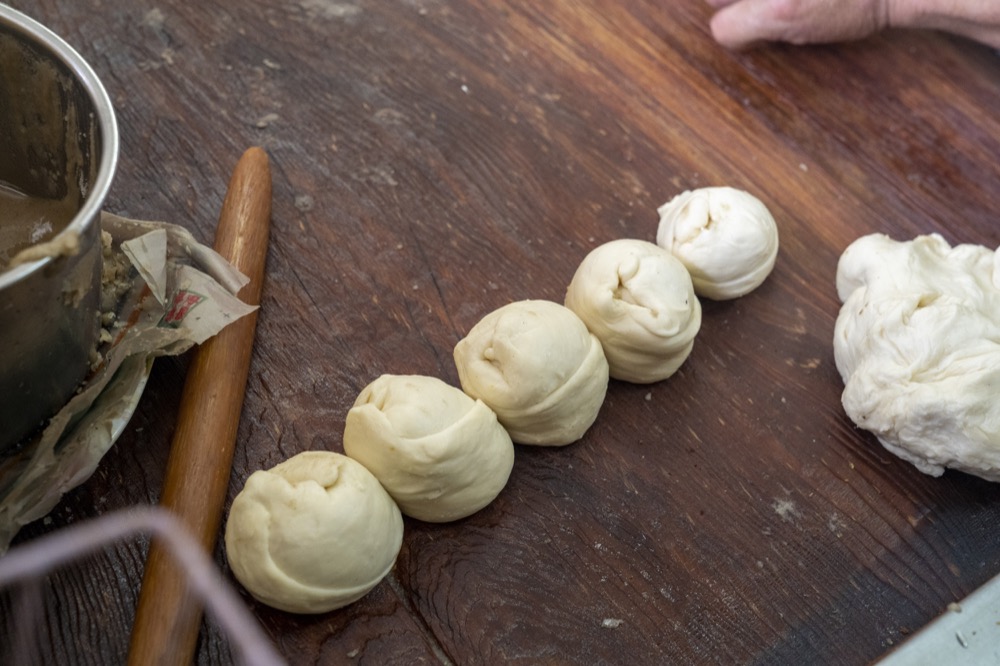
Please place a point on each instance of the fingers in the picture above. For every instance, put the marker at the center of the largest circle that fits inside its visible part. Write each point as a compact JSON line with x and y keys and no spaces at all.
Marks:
{"x":740,"y":24}
{"x":978,"y":20}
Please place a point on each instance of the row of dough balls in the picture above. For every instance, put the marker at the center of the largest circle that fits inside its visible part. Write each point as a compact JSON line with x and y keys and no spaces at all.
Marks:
{"x":321,"y":529}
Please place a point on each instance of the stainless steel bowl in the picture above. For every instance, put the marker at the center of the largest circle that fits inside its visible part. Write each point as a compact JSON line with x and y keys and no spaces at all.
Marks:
{"x":58,"y":140}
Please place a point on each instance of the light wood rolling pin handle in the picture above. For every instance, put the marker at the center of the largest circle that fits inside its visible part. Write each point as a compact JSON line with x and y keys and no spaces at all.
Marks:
{"x":201,"y":453}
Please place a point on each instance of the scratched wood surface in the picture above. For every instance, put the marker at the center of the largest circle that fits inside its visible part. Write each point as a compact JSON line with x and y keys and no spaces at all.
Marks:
{"x":435,"y":159}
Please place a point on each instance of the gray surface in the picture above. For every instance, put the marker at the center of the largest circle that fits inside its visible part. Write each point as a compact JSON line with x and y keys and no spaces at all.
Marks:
{"x":967,"y":633}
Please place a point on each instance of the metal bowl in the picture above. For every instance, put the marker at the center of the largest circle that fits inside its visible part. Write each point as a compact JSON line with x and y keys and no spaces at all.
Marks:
{"x":60,"y":142}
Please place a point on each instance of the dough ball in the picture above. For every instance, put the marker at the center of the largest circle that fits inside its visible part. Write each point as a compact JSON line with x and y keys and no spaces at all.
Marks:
{"x":539,"y":368}
{"x":638,"y":300}
{"x":312,"y":534}
{"x":726,"y":238}
{"x":917,"y":344}
{"x":440,"y":454}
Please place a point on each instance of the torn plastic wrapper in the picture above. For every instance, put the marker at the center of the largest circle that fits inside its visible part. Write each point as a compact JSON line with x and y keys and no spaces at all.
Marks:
{"x":163,"y":293}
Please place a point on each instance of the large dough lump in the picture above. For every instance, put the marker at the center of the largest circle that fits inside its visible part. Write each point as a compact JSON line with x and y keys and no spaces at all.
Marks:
{"x":638,"y":300}
{"x":440,"y":454}
{"x":312,"y":534}
{"x":726,"y":238}
{"x":917,"y":343}
{"x":538,"y":367}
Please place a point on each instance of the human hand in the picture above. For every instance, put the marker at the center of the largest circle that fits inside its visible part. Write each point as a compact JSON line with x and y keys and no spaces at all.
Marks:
{"x":739,"y":24}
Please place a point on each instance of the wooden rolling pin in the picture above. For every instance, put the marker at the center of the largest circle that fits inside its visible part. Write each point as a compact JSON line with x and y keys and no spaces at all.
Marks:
{"x":201,"y":454}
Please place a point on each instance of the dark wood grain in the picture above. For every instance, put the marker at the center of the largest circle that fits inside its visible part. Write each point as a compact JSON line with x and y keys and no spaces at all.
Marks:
{"x":433,"y":160}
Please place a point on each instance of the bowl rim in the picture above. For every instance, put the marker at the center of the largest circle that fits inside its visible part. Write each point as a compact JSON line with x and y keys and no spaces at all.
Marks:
{"x":60,"y":50}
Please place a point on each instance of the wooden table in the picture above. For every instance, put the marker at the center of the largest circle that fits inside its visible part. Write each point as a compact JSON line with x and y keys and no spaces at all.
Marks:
{"x":434,"y":160}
